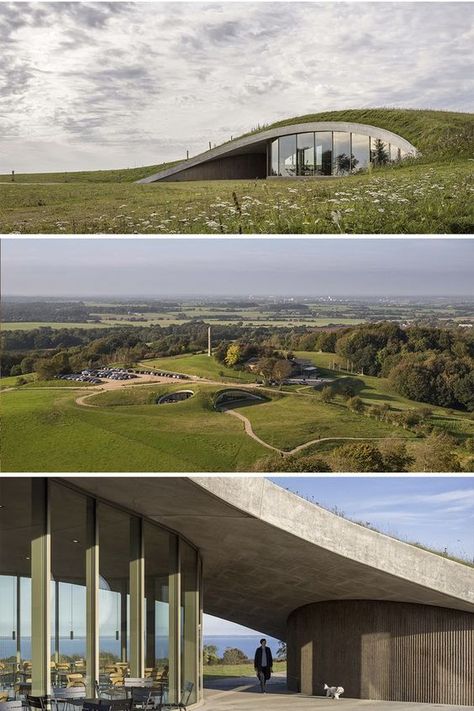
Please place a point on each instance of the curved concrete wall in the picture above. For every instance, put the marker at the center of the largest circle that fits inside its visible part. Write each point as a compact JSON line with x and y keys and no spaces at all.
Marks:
{"x":383,"y":650}
{"x":241,"y":146}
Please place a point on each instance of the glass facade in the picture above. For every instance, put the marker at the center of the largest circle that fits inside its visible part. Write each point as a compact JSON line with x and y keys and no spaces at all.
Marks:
{"x":90,"y":593}
{"x":328,"y":153}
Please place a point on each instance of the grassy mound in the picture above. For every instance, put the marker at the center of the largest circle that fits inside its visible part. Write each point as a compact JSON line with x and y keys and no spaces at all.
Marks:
{"x":437,"y":134}
{"x":122,"y":175}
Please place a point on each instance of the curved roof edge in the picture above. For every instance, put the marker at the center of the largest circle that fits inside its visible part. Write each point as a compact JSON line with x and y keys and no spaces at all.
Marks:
{"x":289,"y":512}
{"x":233,"y":147}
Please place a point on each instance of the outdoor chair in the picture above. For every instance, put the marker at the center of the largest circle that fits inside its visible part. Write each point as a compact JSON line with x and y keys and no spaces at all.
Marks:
{"x":10,"y":705}
{"x":37,"y":702}
{"x":75,"y":680}
{"x":105,"y":690}
{"x":119,"y":704}
{"x":142,"y":698}
{"x":69,"y":696}
{"x":184,"y":701}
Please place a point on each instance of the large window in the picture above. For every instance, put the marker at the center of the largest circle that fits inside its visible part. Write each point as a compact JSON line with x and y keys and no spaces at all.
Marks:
{"x":305,"y":154}
{"x":342,"y":153}
{"x":394,"y":153}
{"x":114,"y":599}
{"x":379,"y":151}
{"x":68,"y":511}
{"x":190,"y":616}
{"x":287,"y":156}
{"x":274,"y":158}
{"x":323,"y":151}
{"x":157,"y":543}
{"x":360,"y":154}
{"x":89,"y":592}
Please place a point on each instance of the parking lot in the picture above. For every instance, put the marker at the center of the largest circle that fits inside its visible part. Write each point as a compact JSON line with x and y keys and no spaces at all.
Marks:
{"x":103,"y":374}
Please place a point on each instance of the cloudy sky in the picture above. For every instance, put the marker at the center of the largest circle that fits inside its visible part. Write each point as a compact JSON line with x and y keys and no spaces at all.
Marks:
{"x":111,"y":85}
{"x":226,"y":266}
{"x":434,"y":511}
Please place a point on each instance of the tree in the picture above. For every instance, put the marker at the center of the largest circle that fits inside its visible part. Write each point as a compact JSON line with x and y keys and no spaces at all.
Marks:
{"x":435,"y":454}
{"x":379,"y":153}
{"x":355,"y":404}
{"x":282,"y":650}
{"x":232,"y":655}
{"x":281,"y":370}
{"x":326,"y":394}
{"x":395,"y":456}
{"x":357,"y":457}
{"x":209,"y":654}
{"x":233,"y":355}
{"x":15,"y":370}
{"x":264,"y":367}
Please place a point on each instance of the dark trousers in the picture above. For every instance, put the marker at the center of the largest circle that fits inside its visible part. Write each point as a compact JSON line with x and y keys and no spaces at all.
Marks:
{"x":263,"y":674}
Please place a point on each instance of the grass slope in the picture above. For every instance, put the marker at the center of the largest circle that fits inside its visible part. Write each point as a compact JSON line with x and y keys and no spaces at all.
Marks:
{"x":122,"y":175}
{"x":200,"y":365}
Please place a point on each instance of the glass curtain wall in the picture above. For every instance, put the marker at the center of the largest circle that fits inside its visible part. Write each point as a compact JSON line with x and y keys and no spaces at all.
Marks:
{"x":305,"y":154}
{"x":287,"y":156}
{"x":342,"y":153}
{"x":157,"y":606}
{"x":16,"y":531}
{"x":360,"y":153}
{"x":329,"y":153}
{"x":190,"y":618}
{"x":89,"y":592}
{"x":68,"y":512}
{"x":114,"y":586}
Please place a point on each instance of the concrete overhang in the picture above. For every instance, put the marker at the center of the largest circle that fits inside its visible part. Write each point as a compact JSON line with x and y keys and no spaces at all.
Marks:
{"x":257,"y":143}
{"x":267,"y":551}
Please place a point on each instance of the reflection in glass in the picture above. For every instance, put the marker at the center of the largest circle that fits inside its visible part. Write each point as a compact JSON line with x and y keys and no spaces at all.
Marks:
{"x":287,"y":156}
{"x":323,"y":153}
{"x":114,"y":562}
{"x":360,"y":154}
{"x":305,"y":154}
{"x":394,"y":153}
{"x":157,"y":544}
{"x":274,"y":158}
{"x":379,"y":151}
{"x":15,"y":585}
{"x":342,"y":153}
{"x":190,"y":612}
{"x":68,"y":584}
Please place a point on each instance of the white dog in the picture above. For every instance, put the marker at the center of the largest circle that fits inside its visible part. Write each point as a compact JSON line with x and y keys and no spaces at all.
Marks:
{"x":333,"y":692}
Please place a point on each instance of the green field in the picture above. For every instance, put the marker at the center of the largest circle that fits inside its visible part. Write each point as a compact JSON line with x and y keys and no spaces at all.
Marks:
{"x":44,"y":429}
{"x":202,"y":366}
{"x":217,"y":671}
{"x":432,"y":194}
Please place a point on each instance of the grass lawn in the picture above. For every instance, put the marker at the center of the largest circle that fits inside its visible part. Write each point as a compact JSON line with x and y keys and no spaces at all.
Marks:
{"x":216,"y":671}
{"x":287,"y":421}
{"x":44,"y":430}
{"x":418,"y":198}
{"x":201,"y":365}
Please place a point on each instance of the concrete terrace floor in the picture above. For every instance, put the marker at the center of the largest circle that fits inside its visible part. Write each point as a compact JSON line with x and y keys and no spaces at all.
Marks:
{"x":242,"y":694}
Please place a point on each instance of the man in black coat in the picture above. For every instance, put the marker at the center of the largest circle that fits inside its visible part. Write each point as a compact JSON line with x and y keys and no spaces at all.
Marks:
{"x":263,"y":663}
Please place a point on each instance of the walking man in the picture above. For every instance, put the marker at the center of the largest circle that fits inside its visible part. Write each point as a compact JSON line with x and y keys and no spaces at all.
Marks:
{"x":263,"y":663}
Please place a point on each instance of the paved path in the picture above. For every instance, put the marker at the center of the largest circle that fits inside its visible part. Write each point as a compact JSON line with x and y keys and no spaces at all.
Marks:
{"x":242,"y":694}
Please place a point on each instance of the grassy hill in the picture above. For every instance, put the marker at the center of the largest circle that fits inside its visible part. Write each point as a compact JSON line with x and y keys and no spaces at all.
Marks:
{"x":437,"y":134}
{"x":44,"y":429}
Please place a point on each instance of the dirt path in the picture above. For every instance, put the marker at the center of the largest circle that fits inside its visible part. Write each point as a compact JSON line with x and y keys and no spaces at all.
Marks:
{"x":249,"y":431}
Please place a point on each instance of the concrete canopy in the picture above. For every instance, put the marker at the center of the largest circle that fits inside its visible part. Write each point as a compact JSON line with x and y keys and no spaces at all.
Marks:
{"x":256,"y":144}
{"x":267,"y":552}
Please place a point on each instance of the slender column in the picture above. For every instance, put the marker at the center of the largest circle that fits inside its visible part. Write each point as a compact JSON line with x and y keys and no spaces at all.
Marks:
{"x":92,"y":599}
{"x":123,"y":619}
{"x":150,"y":621}
{"x":56,"y":621}
{"x":191,"y":617}
{"x":174,"y":621}
{"x":200,"y":644}
{"x":137,"y":586}
{"x":18,"y":619}
{"x":40,"y":587}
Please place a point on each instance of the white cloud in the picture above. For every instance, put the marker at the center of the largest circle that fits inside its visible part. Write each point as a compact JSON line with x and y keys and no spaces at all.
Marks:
{"x":121,"y":84}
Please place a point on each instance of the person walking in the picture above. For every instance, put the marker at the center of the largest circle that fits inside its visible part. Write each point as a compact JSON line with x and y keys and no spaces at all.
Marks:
{"x":263,"y":663}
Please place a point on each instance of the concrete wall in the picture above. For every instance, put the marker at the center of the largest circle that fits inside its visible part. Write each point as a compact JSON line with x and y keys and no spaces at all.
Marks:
{"x":383,"y":650}
{"x":241,"y":167}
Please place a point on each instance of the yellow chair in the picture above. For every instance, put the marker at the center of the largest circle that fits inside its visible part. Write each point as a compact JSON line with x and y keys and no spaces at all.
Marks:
{"x":75,"y":680}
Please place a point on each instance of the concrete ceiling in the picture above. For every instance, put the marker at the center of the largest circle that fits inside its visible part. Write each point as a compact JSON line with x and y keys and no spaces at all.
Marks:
{"x":267,"y":552}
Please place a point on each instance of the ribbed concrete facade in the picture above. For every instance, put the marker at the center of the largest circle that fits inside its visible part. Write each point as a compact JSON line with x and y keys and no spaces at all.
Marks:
{"x":248,"y":166}
{"x":383,"y":650}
